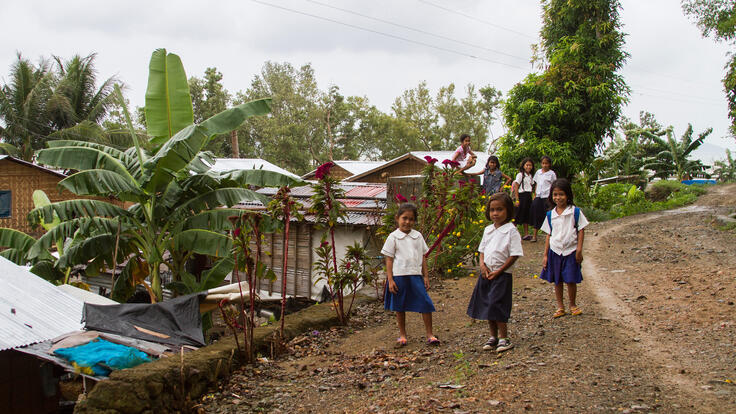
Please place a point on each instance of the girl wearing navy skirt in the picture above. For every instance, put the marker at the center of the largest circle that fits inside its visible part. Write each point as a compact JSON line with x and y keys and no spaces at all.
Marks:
{"x":563,"y":249}
{"x":522,"y":188}
{"x":540,"y":205}
{"x":499,"y":248}
{"x":406,"y":274}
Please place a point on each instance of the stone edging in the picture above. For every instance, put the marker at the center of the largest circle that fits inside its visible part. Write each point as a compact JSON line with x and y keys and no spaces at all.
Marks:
{"x":171,"y":385}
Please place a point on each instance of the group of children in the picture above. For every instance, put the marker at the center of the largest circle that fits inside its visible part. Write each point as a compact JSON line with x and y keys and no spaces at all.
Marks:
{"x":551,"y":210}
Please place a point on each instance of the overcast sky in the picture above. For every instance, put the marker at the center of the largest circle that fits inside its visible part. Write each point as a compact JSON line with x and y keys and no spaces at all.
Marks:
{"x":374,"y":48}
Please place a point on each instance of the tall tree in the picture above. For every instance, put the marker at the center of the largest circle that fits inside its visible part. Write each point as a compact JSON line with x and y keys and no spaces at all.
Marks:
{"x":436,"y":123}
{"x":567,"y":110}
{"x":210,"y":97}
{"x":717,"y":18}
{"x":23,"y":108}
{"x":294,"y":135}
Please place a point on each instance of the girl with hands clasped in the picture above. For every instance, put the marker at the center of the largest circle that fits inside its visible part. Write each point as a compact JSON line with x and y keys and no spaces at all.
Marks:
{"x":499,"y":248}
{"x":563,"y":249}
{"x":407,"y":280}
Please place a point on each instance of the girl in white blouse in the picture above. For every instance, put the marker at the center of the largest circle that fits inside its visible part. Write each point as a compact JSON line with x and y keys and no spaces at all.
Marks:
{"x":543,"y":181}
{"x":563,"y":249}
{"x":522,"y":188}
{"x":407,"y":278}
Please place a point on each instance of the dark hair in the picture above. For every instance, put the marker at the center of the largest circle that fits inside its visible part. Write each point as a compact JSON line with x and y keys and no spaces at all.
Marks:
{"x":494,"y":159}
{"x":463,"y":136}
{"x":564,"y":185}
{"x":544,"y":157}
{"x":521,"y":166}
{"x":404,"y":207}
{"x":507,"y":203}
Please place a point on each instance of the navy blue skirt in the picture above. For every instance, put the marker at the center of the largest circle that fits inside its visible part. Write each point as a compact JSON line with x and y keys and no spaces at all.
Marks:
{"x":411,"y":297}
{"x":491,"y":299}
{"x":562,"y":269}
{"x":538,"y":212}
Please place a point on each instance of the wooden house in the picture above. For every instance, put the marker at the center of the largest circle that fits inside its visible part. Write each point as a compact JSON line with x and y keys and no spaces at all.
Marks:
{"x":344,"y":169}
{"x":409,"y":164}
{"x":18,"y":180}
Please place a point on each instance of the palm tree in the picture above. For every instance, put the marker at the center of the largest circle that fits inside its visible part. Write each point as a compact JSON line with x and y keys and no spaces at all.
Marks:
{"x":76,"y":97}
{"x":725,"y":169}
{"x":673,"y":159}
{"x":23,"y":108}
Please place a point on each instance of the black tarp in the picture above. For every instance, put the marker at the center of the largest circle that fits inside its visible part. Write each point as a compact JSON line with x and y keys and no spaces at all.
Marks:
{"x":177,"y":321}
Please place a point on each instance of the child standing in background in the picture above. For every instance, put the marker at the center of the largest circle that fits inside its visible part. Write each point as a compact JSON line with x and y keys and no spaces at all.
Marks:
{"x":522,"y":188}
{"x":499,"y":249}
{"x":563,"y":248}
{"x":407,"y":279}
{"x":493,"y":178}
{"x":543,"y":180}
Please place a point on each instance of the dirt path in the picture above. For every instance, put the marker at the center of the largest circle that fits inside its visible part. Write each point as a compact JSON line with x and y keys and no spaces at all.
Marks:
{"x":657,"y":335}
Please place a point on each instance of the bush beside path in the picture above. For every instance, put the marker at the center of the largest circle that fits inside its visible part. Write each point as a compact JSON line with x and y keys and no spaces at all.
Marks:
{"x":657,"y":334}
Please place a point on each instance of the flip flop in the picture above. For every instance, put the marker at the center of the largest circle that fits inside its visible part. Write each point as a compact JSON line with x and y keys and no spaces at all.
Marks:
{"x":433,"y":341}
{"x":400,"y":343}
{"x":560,"y":312}
{"x":533,"y":240}
{"x":527,"y":237}
{"x":576,"y":311}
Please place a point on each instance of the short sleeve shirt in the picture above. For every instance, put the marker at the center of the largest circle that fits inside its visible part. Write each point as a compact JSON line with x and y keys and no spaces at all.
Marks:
{"x":461,"y":154}
{"x":563,"y":239}
{"x":498,"y":244}
{"x":544,"y":182}
{"x":525,"y":182}
{"x":407,"y":250}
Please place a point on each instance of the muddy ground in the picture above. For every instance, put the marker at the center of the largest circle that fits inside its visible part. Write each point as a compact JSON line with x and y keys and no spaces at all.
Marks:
{"x":657,"y":334}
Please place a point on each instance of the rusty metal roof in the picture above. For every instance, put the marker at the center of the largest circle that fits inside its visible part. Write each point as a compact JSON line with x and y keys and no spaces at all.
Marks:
{"x":32,"y":309}
{"x":352,"y":190}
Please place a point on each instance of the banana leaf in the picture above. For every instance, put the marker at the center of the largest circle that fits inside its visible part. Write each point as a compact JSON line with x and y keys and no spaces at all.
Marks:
{"x":101,"y":183}
{"x":82,"y":158}
{"x":216,"y":220}
{"x":168,"y":103}
{"x":219,"y":197}
{"x":73,"y":209}
{"x":203,"y":242}
{"x":260,"y":178}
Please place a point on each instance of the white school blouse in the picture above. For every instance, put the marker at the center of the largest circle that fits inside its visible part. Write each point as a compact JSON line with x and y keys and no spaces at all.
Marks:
{"x":563,"y":238}
{"x":407,"y":250}
{"x":498,"y":244}
{"x":544,"y":182}
{"x":525,"y":182}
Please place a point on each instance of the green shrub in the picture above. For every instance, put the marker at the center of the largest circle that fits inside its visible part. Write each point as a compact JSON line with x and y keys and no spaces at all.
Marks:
{"x":661,"y":190}
{"x":607,"y":196}
{"x":595,"y":214}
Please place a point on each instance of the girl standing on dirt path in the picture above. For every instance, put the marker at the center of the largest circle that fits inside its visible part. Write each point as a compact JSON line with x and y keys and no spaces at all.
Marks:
{"x":542,"y":179}
{"x":563,"y":248}
{"x":406,"y":274}
{"x":522,"y":188}
{"x":499,"y":248}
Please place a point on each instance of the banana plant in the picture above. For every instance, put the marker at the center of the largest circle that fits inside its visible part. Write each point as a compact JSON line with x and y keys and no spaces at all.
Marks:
{"x":169,"y":203}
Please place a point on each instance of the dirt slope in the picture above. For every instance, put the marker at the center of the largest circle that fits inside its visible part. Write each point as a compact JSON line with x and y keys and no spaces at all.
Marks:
{"x":657,"y":334}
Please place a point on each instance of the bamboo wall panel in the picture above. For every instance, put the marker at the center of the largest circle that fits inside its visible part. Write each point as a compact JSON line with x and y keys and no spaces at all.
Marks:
{"x":408,"y":166}
{"x":299,"y":266}
{"x":22,"y":180}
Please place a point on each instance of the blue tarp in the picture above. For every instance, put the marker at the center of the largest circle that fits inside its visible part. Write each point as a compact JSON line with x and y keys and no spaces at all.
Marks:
{"x":103,"y":356}
{"x":698,"y":181}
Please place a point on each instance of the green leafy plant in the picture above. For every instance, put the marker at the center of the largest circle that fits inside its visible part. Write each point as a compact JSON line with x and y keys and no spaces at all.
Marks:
{"x":674,"y":158}
{"x":174,"y":198}
{"x":725,"y":169}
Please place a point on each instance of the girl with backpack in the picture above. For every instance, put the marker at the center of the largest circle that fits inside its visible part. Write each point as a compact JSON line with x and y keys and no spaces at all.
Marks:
{"x":563,"y":249}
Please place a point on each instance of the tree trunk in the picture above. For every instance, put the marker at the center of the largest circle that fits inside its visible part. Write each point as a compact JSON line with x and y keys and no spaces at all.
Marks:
{"x":234,"y":144}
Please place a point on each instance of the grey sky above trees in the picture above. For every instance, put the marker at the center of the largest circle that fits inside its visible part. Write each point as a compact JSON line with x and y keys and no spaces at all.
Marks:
{"x":673,"y":72}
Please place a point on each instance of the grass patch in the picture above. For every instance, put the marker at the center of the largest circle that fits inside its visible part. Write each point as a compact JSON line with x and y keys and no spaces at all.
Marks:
{"x":621,"y":200}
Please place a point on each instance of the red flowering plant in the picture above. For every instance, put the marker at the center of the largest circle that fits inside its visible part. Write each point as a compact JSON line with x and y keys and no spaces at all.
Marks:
{"x":450,"y":217}
{"x":247,"y":233}
{"x":328,"y":210}
{"x":282,"y":209}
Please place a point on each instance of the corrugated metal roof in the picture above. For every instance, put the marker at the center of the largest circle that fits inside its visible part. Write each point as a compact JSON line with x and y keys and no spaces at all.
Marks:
{"x":352,"y":190}
{"x":32,"y":309}
{"x":419,"y":155}
{"x":229,"y":164}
